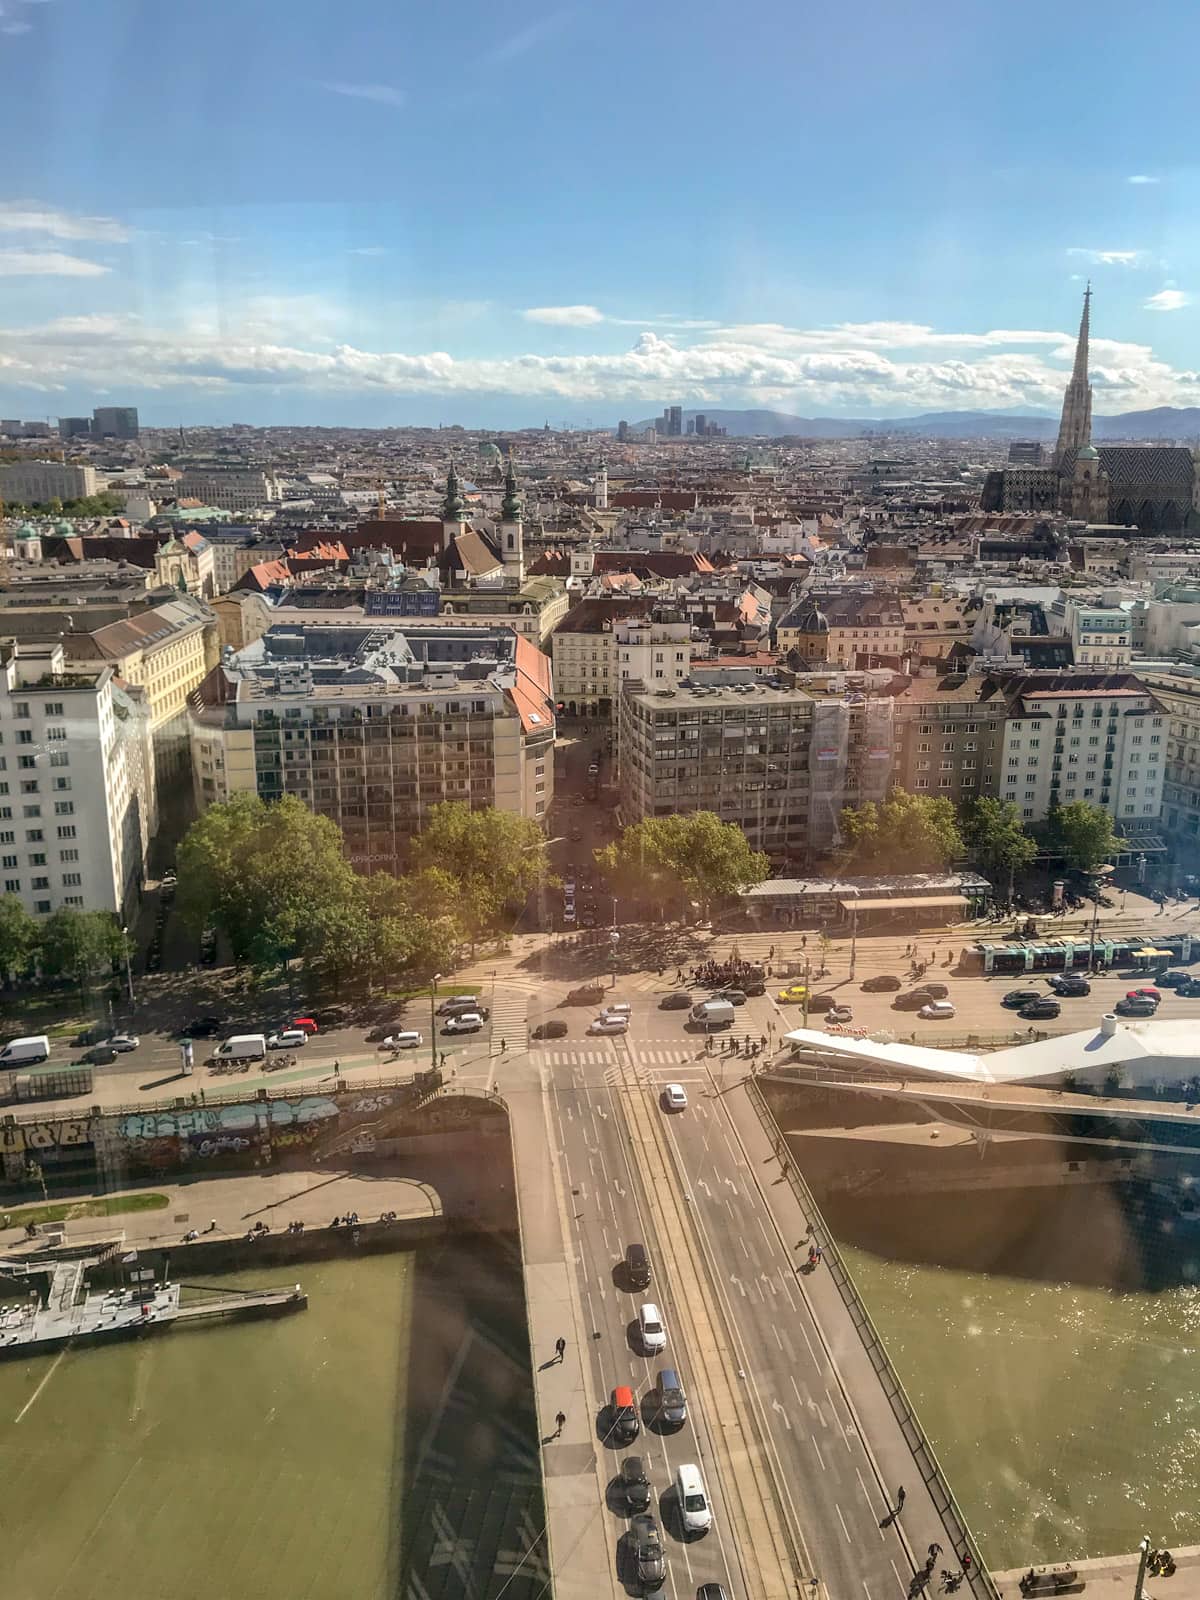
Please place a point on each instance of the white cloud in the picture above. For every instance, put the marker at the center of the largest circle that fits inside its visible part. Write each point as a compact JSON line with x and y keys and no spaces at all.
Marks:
{"x":297,"y":344}
{"x":10,"y":26}
{"x":26,"y":216}
{"x":1142,"y":177}
{"x":1167,"y":300}
{"x":47,"y":264}
{"x":382,"y":94}
{"x":565,"y":316}
{"x":368,"y":250}
{"x":1111,"y":258}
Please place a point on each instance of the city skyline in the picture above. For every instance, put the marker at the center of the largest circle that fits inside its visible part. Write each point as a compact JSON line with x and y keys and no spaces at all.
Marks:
{"x":504,"y":216}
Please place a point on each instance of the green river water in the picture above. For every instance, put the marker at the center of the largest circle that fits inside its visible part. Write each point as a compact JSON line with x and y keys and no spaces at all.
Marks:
{"x":312,"y":1457}
{"x":1067,"y":1417}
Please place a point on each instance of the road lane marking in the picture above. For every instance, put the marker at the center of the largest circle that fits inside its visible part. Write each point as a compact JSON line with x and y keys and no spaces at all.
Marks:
{"x":899,"y":1581}
{"x":870,"y":1507}
{"x":817,"y":1448}
{"x":742,"y":1244}
{"x":787,"y":1421}
{"x":808,"y":1342}
{"x":842,"y":1520}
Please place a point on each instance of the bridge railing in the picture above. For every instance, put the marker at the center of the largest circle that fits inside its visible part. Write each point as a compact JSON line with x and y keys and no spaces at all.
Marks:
{"x":928,"y":1466}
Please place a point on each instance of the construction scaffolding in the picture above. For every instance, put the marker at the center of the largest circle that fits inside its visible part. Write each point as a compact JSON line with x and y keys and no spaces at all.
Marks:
{"x":827,"y":759}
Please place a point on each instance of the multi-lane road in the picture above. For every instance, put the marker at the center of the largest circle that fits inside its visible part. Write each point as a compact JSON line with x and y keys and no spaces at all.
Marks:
{"x":789,"y":1473}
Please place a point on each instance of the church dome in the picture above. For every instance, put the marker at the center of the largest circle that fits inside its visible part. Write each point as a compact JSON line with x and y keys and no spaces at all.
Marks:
{"x":810,"y":619}
{"x":1087,"y":452}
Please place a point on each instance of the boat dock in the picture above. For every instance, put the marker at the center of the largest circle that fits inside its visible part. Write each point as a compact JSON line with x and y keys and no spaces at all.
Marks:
{"x":64,"y":1312}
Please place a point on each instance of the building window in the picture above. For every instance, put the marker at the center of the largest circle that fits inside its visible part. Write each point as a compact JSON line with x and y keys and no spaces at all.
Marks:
{"x":66,"y":830}
{"x":56,"y":735}
{"x":41,"y":906}
{"x":54,"y":708}
{"x":20,"y":708}
{"x":68,"y":855}
{"x":64,"y":808}
{"x":72,"y":880}
{"x":71,"y":900}
{"x":40,"y":883}
{"x":60,"y":758}
{"x":922,"y":783}
{"x":27,"y":763}
{"x":24,"y":735}
{"x":31,"y":811}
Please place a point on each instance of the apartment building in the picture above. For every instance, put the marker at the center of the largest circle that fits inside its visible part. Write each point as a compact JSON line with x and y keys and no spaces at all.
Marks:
{"x":165,"y":651}
{"x":76,"y":784}
{"x":949,"y":736}
{"x":778,"y":761}
{"x":1100,"y":632}
{"x":1100,"y":737}
{"x":1176,"y":685}
{"x":229,"y":487}
{"x":847,"y":627}
{"x":656,"y":649}
{"x":371,"y":725}
{"x":533,"y":608}
{"x":36,"y":483}
{"x":934,"y":624}
{"x":583,"y":650}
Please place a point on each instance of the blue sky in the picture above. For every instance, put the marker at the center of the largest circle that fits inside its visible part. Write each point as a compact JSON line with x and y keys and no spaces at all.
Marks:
{"x":383,"y":212}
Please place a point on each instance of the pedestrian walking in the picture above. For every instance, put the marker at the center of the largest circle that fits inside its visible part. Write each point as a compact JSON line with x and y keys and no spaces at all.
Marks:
{"x":503,"y":1046}
{"x":771,"y":953}
{"x":560,"y":1348}
{"x":935,"y":1551}
{"x":442,"y":1059}
{"x":337,"y":1069}
{"x":900,"y":1498}
{"x":560,"y":1422}
{"x":804,"y":941}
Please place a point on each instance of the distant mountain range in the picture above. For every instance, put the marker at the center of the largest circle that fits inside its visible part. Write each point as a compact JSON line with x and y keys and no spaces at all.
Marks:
{"x":1165,"y":422}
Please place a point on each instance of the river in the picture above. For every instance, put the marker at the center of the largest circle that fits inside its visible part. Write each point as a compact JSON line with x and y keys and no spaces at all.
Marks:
{"x":386,"y":1430}
{"x":1067,"y":1416}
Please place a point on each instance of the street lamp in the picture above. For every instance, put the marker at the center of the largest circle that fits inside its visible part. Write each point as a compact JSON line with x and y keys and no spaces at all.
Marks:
{"x":1143,"y":1556}
{"x":433,"y":983}
{"x":128,"y":968}
{"x":614,"y":939}
{"x":853,"y":933}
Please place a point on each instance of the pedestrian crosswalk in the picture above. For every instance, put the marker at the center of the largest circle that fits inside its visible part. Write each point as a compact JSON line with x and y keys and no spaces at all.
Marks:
{"x":643,"y":1057}
{"x":510,"y":1010}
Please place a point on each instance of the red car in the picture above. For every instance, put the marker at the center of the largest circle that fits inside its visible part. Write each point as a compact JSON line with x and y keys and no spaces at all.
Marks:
{"x":1148,"y":993}
{"x":307,"y":1023}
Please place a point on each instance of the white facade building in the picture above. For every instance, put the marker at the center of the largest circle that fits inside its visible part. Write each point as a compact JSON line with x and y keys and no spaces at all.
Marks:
{"x":1104,"y":742}
{"x":76,"y":785}
{"x":1100,"y":634}
{"x":38,"y":482}
{"x":232,"y":488}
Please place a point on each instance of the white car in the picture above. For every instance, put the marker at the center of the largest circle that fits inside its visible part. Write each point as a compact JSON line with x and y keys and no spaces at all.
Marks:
{"x":650,"y":1329}
{"x":403,"y":1041}
{"x":465,"y":1022}
{"x":937,"y":1010}
{"x":287,"y":1039}
{"x":675,"y":1097}
{"x":617,"y":1008}
{"x":604,"y":1024}
{"x":123,"y":1042}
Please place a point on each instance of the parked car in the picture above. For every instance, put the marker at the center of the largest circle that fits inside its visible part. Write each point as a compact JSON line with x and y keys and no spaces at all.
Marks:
{"x":464,"y":1022}
{"x":1016,"y":998}
{"x":651,"y":1333}
{"x":588,"y":920}
{"x":677,"y":1000}
{"x":884,"y":983}
{"x":674,"y":1097}
{"x":100,"y":1055}
{"x":623,"y":1423}
{"x":383,"y":1031}
{"x":1190,"y":989}
{"x":555,"y":1029}
{"x":617,"y":1008}
{"x":939,"y":991}
{"x":637,"y":1266}
{"x":586,"y":995}
{"x":1135,"y":1006}
{"x":1040,"y":1008}
{"x":634,"y":1484}
{"x":650,"y":1563}
{"x":287,"y":1039}
{"x":1070,"y":985}
{"x":937,"y":1011}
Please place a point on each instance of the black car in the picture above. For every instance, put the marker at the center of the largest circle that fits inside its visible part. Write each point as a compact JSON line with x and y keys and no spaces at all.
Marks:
{"x":670,"y":1402}
{"x":1189,"y":990}
{"x":913,"y":1000}
{"x":712,"y":1591}
{"x":649,"y":1561}
{"x":1016,"y":998}
{"x":1043,"y":1006}
{"x":1175,"y":978}
{"x":554,"y":1029}
{"x":202,"y":1028}
{"x":1071,"y":985}
{"x":634,"y":1484}
{"x":883,"y":984}
{"x":677,"y":1000}
{"x":736,"y":997}
{"x":637,"y":1267}
{"x":624,"y":1424}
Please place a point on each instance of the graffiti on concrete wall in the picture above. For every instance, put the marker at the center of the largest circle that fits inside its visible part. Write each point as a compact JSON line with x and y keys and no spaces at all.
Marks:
{"x":18,"y":1137}
{"x":210,"y":1123}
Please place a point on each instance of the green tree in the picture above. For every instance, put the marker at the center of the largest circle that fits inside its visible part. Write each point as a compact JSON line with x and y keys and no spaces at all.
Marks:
{"x":994,"y":831}
{"x":271,"y":877}
{"x":79,"y":944}
{"x":19,"y":935}
{"x":495,"y":858}
{"x":694,"y":853}
{"x":908,"y":832}
{"x":1084,"y":833}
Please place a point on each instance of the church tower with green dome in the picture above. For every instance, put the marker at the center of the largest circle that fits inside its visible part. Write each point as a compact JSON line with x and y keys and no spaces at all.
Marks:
{"x":454,"y":511}
{"x":512,"y":529}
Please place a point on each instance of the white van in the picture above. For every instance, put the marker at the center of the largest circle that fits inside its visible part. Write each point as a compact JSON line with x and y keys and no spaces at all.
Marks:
{"x":712,"y":1014}
{"x":21,"y":1052}
{"x":695,"y":1513}
{"x":242,"y":1047}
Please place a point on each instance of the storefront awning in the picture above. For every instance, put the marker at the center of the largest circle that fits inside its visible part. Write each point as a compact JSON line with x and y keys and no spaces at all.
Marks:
{"x":885,"y":903}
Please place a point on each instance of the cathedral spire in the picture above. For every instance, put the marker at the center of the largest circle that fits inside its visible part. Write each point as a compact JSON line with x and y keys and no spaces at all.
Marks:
{"x":1075,"y":428}
{"x":510,"y":506}
{"x":452,"y":505}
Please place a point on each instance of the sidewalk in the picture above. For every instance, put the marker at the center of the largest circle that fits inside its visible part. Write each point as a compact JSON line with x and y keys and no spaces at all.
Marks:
{"x":579,"y":1539}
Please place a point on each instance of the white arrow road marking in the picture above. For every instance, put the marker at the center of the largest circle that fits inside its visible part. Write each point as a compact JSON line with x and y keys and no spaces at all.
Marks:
{"x":775,"y":1406}
{"x":741,"y":1287}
